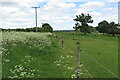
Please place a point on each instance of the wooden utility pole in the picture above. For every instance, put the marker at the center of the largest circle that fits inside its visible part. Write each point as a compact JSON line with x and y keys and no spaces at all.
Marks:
{"x":36,"y":16}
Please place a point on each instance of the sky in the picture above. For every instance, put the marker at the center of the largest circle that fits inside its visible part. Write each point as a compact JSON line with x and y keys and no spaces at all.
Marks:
{"x":58,"y":13}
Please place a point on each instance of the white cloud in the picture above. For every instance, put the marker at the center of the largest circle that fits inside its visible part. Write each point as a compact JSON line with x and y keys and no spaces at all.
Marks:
{"x":95,"y":14}
{"x":113,"y":0}
{"x":89,"y":7}
{"x":18,"y":13}
{"x":58,"y":5}
{"x":93,"y":5}
{"x":58,"y":13}
{"x":109,"y":14}
{"x":9,"y":9}
{"x":79,"y":11}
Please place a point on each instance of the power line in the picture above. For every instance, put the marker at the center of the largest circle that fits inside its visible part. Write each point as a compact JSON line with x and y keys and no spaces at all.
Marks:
{"x":36,"y":16}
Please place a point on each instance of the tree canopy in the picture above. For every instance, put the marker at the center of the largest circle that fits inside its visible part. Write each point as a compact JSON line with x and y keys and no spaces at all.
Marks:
{"x":106,"y":27}
{"x":83,"y":19}
{"x":103,"y":26}
{"x":47,"y":28}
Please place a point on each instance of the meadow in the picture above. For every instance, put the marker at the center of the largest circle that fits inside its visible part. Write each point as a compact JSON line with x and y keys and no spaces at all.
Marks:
{"x":99,"y":54}
{"x":40,"y":55}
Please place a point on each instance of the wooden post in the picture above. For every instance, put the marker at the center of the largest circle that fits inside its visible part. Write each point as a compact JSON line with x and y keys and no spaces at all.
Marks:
{"x":78,"y":63}
{"x":62,"y":43}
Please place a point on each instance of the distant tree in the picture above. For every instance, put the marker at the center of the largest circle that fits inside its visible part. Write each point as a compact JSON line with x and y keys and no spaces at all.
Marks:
{"x":108,"y":28}
{"x":40,"y":29}
{"x":31,"y":29}
{"x":118,"y":31}
{"x":18,"y":29}
{"x":92,"y":29}
{"x":102,"y":27}
{"x":84,"y":19}
{"x":113,"y":28}
{"x":47,"y":28}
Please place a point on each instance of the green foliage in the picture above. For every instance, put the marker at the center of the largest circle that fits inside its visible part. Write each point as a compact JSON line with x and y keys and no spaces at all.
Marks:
{"x":102,"y":48}
{"x":25,"y":55}
{"x":77,"y":26}
{"x":113,"y":28}
{"x":35,"y":55}
{"x":84,"y":19}
{"x":92,"y":29}
{"x":47,"y":28}
{"x":102,"y":26}
{"x":109,"y":28}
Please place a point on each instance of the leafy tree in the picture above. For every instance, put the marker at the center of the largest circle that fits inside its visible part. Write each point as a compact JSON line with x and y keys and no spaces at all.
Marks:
{"x":112,"y":28}
{"x":109,"y":28}
{"x":77,"y":26}
{"x":84,"y":19}
{"x":118,"y":31}
{"x":92,"y":29}
{"x":103,"y":26}
{"x":47,"y":28}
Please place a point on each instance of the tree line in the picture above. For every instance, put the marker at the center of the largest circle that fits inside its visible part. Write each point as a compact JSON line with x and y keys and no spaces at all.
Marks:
{"x":104,"y":27}
{"x":45,"y":28}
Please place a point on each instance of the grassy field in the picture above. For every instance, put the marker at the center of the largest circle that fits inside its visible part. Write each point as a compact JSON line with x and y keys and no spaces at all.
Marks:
{"x":99,"y":54}
{"x":40,"y":55}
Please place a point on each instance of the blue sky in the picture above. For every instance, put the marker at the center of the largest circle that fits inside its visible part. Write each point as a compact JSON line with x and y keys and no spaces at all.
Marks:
{"x":58,"y":13}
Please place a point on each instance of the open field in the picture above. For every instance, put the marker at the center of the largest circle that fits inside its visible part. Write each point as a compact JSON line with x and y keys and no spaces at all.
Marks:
{"x":99,"y":54}
{"x":40,"y":55}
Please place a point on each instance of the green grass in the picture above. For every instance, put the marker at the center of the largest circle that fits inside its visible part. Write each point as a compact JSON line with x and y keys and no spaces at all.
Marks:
{"x":42,"y":61}
{"x":54,"y":62}
{"x":103,"y":49}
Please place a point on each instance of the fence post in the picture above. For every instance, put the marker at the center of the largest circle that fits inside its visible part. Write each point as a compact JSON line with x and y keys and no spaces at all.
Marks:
{"x":62,"y":43}
{"x":78,"y":63}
